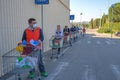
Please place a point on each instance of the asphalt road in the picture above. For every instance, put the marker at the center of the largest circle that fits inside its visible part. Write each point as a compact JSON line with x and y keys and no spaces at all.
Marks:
{"x":90,"y":58}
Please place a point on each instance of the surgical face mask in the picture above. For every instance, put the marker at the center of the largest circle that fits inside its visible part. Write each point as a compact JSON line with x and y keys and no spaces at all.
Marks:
{"x":35,"y":25}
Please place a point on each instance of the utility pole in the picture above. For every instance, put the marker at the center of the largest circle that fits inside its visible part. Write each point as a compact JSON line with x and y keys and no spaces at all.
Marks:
{"x":100,"y":19}
{"x":112,"y":19}
{"x":80,"y":19}
{"x":109,"y":15}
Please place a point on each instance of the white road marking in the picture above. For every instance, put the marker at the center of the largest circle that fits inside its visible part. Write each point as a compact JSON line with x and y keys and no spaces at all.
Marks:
{"x":65,"y":50}
{"x":54,"y":60}
{"x":116,"y":71}
{"x":89,"y":42}
{"x":79,"y":41}
{"x":98,"y":42}
{"x":88,"y":74}
{"x":111,"y":41}
{"x":57,"y":71}
{"x":108,"y":42}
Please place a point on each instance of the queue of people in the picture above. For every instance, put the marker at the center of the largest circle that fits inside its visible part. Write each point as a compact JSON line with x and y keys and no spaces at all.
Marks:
{"x":67,"y":34}
{"x":33,"y":35}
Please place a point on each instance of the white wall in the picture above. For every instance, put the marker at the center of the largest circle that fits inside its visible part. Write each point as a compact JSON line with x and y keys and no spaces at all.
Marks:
{"x":55,"y":14}
{"x":13,"y":20}
{"x":15,"y":13}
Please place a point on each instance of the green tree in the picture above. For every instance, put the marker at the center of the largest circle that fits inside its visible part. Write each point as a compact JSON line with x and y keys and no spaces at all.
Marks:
{"x":96,"y":23}
{"x":116,"y":12}
{"x":114,"y":15}
{"x":85,"y":25}
{"x":91,"y":24}
{"x":104,"y":19}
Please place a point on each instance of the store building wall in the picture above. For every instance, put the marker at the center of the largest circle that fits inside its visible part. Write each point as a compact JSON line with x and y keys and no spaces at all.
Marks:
{"x":13,"y":21}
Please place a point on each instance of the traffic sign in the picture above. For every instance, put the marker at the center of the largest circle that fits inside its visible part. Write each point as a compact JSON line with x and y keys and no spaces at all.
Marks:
{"x":72,"y":17}
{"x":40,"y":2}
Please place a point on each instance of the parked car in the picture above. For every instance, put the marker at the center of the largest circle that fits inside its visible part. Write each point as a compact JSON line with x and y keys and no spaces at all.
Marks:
{"x":117,"y":34}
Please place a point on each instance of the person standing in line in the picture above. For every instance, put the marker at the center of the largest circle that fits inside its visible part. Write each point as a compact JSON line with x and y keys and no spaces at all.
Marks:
{"x":33,"y":32}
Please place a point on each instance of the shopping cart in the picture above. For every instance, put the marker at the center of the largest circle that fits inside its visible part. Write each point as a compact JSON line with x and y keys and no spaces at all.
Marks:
{"x":72,"y":36}
{"x":77,"y":35}
{"x":67,"y":41}
{"x":12,"y":67}
{"x":55,"y":44}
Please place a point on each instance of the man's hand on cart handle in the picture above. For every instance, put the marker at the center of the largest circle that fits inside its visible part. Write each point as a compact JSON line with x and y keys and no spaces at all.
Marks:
{"x":39,"y":47}
{"x":40,"y":41}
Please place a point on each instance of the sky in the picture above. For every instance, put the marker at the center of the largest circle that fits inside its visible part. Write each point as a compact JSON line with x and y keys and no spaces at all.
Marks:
{"x":89,"y":8}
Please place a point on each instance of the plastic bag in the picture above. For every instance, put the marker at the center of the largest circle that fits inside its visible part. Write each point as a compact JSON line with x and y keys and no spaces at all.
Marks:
{"x":26,"y":62}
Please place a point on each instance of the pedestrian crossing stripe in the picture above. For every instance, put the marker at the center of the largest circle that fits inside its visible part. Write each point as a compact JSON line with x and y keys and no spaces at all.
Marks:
{"x":108,"y":42}
{"x":116,"y":71}
{"x":98,"y":42}
{"x":89,"y":42}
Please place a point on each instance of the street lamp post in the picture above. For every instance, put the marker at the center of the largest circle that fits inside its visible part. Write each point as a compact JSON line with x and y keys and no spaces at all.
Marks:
{"x":112,"y":19}
{"x":42,"y":14}
{"x":108,"y":15}
{"x":100,"y":24}
{"x":80,"y":19}
{"x":42,"y":2}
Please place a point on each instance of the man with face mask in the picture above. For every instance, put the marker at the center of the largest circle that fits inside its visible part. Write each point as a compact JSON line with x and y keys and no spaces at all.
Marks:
{"x":33,"y":32}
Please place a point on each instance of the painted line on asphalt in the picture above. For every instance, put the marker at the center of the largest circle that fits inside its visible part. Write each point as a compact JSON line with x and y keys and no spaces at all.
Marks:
{"x":111,"y":41}
{"x":107,"y":42}
{"x":116,"y":71}
{"x":98,"y":42}
{"x":65,"y":50}
{"x":92,"y":75}
{"x":88,"y":73}
{"x":54,"y":60}
{"x":56,"y":72}
{"x":79,"y":42}
{"x":89,"y":42}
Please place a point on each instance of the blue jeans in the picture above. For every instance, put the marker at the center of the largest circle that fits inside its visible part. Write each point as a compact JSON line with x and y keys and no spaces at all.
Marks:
{"x":40,"y":63}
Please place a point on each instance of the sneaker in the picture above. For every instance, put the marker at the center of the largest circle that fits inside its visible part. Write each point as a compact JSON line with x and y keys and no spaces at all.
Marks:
{"x":44,"y":74}
{"x":31,"y":75}
{"x":70,"y":43}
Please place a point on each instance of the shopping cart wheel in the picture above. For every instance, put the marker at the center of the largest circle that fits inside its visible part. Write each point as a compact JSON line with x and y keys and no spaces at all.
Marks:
{"x":38,"y":78}
{"x":62,"y":54}
{"x":19,"y":77}
{"x":51,"y":57}
{"x":57,"y":57}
